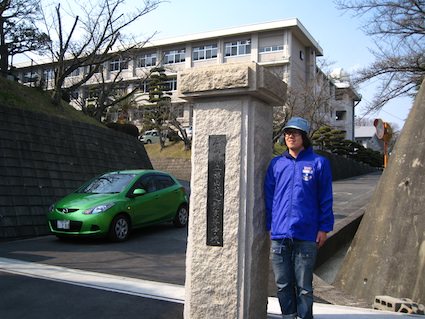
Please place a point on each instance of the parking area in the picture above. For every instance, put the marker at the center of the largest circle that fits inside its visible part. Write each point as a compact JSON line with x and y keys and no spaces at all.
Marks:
{"x":155,"y":253}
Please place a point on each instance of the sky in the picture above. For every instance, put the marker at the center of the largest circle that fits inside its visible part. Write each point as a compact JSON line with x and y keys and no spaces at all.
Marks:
{"x":343,"y":42}
{"x":339,"y":34}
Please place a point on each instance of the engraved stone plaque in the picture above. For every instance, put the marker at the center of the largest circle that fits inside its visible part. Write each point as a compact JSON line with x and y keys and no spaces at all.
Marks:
{"x":215,"y":191}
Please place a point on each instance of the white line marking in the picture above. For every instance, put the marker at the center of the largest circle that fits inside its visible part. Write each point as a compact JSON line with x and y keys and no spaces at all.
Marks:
{"x":132,"y":286}
{"x":158,"y":290}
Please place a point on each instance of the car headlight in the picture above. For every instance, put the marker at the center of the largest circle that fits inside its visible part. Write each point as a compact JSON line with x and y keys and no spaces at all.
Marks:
{"x":98,"y":209}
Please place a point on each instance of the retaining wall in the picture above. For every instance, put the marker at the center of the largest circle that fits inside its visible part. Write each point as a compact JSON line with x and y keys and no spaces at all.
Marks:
{"x":43,"y":158}
{"x":341,"y":167}
{"x":179,"y":167}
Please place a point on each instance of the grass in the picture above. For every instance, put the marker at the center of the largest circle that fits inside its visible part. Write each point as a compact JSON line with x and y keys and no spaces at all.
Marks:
{"x":16,"y":95}
{"x":171,"y":150}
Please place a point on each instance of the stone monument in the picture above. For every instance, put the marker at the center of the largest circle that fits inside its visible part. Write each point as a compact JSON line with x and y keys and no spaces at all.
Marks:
{"x":228,"y":247}
{"x":387,"y":255}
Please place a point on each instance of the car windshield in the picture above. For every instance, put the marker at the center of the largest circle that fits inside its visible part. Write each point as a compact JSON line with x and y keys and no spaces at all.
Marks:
{"x":107,"y":184}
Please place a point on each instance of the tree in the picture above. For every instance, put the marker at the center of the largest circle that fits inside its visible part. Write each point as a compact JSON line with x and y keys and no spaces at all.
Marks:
{"x":93,"y":39}
{"x":160,"y":114}
{"x":109,"y":93}
{"x":309,"y":98}
{"x":332,"y":140}
{"x":18,"y":30}
{"x":398,"y":30}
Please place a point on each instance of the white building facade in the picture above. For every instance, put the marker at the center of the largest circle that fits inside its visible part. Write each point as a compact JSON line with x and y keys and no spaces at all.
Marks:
{"x":285,"y":47}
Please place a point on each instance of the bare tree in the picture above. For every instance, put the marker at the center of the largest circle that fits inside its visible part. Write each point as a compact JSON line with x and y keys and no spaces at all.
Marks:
{"x":18,"y":30}
{"x":95,"y":37}
{"x":398,"y":30}
{"x":109,"y":92}
{"x":309,"y":98}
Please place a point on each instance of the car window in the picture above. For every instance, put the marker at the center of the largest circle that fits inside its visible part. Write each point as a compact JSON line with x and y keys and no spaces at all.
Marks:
{"x":107,"y":184}
{"x":154,"y":183}
{"x":147,"y":183}
{"x":163,"y":181}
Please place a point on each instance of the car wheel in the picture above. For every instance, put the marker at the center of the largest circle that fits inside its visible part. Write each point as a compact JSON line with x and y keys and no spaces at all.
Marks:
{"x":120,"y":228}
{"x":148,"y":142}
{"x":182,"y":216}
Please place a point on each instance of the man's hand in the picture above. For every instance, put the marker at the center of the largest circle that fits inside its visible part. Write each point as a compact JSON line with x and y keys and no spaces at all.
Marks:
{"x":321,"y":238}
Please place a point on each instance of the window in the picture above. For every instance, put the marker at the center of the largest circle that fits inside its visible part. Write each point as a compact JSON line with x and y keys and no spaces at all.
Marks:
{"x":152,"y":183}
{"x":174,"y":56}
{"x":48,"y":74}
{"x":148,"y":183}
{"x":340,"y":115}
{"x":301,"y":55}
{"x":144,"y":87}
{"x":204,"y":52}
{"x":237,"y":48}
{"x":147,"y":60}
{"x":74,"y":95}
{"x":170,"y":84}
{"x":76,"y":72}
{"x":30,"y":77}
{"x":271,"y":48}
{"x":163,"y":181}
{"x":107,"y":184}
{"x":118,"y":64}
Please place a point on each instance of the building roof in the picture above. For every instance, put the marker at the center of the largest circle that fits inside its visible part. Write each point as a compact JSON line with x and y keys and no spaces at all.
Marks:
{"x":293,"y":23}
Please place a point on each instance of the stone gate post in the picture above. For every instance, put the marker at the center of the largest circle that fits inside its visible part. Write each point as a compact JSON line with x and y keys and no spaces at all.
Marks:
{"x":228,"y":247}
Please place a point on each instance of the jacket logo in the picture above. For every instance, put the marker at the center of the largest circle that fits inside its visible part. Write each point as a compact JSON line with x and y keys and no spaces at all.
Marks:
{"x":307,"y":173}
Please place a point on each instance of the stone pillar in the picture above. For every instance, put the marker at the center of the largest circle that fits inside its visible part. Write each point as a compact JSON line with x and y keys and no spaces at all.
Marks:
{"x":227,"y":261}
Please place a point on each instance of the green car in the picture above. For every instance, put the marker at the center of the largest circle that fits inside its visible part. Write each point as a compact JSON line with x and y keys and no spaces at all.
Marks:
{"x":113,"y":204}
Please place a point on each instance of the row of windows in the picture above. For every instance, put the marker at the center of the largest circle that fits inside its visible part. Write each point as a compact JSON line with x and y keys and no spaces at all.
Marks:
{"x":204,"y":52}
{"x":271,"y":48}
{"x":139,"y":114}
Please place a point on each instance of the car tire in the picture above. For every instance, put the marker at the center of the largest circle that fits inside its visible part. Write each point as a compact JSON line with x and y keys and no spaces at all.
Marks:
{"x":148,"y":142}
{"x":120,"y":228}
{"x":182,"y":216}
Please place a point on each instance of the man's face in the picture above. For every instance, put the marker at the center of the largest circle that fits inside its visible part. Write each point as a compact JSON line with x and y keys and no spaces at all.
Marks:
{"x":293,"y":139}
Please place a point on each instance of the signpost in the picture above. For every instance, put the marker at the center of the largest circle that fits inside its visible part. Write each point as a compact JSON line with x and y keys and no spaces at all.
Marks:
{"x":383,"y":132}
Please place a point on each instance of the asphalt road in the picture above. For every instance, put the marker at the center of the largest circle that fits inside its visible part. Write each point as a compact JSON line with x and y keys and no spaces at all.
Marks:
{"x":156,"y":253}
{"x":153,"y":254}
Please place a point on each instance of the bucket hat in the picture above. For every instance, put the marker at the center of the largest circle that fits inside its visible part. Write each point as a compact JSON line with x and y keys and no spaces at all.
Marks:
{"x":298,"y":123}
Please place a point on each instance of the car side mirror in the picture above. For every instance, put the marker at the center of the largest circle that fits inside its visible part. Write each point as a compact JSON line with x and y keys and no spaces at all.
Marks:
{"x":138,"y":192}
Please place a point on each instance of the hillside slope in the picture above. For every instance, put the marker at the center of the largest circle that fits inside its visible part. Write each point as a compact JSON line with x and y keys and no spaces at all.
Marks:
{"x":46,"y":153}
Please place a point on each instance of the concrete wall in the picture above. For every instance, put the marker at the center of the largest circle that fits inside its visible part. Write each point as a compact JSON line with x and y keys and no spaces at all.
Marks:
{"x":387,"y":255}
{"x":43,"y":158}
{"x":341,"y":167}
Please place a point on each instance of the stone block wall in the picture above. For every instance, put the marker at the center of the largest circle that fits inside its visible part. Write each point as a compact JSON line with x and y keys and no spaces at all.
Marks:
{"x":179,"y":167}
{"x":43,"y":158}
{"x":341,"y":167}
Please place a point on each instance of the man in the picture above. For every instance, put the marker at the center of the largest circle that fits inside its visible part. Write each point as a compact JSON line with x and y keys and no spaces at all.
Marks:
{"x":298,"y":198}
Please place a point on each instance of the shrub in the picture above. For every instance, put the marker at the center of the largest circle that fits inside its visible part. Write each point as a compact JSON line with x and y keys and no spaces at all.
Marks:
{"x":126,"y":128}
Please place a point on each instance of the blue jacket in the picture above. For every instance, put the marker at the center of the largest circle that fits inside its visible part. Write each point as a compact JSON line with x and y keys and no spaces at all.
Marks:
{"x":298,"y":195}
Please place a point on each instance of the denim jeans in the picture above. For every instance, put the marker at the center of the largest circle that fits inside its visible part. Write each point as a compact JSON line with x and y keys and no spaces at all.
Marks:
{"x":293,"y":264}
